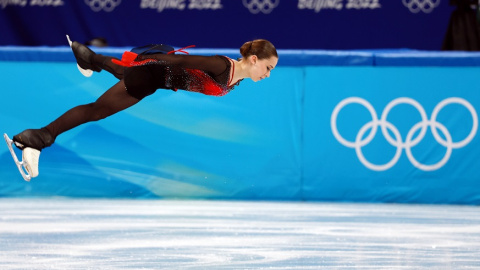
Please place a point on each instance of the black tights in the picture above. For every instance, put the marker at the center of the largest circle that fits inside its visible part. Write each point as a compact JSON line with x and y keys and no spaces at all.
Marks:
{"x":112,"y":101}
{"x":105,"y":63}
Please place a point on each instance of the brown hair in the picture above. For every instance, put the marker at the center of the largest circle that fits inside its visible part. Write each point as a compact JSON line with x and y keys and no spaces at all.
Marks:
{"x":262,"y":48}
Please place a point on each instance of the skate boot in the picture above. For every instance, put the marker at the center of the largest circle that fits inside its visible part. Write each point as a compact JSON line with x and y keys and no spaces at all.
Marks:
{"x":30,"y":158}
{"x":31,"y":142}
{"x":84,"y":58}
{"x":33,"y":138}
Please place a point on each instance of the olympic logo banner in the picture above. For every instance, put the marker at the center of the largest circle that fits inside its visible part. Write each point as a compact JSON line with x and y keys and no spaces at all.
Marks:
{"x":105,"y":5}
{"x":410,"y":140}
{"x":416,"y":6}
{"x":260,"y":6}
{"x":391,"y":134}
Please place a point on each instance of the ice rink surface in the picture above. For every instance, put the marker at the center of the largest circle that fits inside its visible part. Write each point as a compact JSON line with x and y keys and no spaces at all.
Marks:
{"x":159,"y":234}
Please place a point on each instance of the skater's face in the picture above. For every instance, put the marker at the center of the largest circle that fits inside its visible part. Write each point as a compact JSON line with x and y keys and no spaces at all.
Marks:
{"x":261,"y":68}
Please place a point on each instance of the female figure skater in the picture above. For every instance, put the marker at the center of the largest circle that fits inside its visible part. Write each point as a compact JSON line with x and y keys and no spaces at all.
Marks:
{"x":141,"y":75}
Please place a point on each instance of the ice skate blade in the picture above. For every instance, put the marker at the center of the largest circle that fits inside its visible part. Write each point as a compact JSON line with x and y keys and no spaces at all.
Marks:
{"x":20,"y":164}
{"x":85,"y":72}
{"x":69,"y":41}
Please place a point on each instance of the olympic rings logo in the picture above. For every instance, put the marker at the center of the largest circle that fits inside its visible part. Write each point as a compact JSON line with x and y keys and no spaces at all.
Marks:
{"x":105,"y":5}
{"x":416,"y":6}
{"x":409,"y":141}
{"x":257,"y":6}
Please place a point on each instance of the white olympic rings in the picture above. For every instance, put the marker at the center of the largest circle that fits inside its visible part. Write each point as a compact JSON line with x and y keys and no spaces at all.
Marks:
{"x":105,"y":5}
{"x":257,"y":6}
{"x":410,"y":142}
{"x":416,"y":6}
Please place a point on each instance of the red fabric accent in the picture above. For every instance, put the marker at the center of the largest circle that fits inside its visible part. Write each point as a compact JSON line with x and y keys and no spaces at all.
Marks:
{"x":181,"y":50}
{"x":129,"y":57}
{"x":203,"y":83}
{"x":120,"y":63}
{"x":128,"y":60}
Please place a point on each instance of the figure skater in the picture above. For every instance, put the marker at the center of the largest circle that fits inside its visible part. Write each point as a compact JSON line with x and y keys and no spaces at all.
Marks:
{"x":141,"y":75}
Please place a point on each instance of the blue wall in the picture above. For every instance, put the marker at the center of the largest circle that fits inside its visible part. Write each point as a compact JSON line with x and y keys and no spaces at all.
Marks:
{"x":344,"y":158}
{"x":269,"y":140}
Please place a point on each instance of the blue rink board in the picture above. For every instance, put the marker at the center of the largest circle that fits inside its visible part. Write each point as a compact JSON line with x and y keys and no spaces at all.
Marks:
{"x":390,"y":57}
{"x":268,"y":140}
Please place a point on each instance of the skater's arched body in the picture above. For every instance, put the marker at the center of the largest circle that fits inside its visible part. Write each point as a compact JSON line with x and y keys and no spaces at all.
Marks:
{"x":141,"y":75}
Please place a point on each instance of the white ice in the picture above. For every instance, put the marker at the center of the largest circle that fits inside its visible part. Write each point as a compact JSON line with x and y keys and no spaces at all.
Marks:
{"x":159,"y":234}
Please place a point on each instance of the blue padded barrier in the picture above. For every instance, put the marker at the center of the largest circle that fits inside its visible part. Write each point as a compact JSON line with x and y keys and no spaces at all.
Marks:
{"x":400,"y":57}
{"x":268,"y":140}
{"x":424,"y":58}
{"x":288,"y":57}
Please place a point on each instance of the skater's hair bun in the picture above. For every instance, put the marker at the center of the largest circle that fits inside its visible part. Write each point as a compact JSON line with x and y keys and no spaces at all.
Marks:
{"x":262,"y":48}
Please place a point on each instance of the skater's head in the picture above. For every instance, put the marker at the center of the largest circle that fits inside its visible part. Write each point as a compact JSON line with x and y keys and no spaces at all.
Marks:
{"x":262,"y":48}
{"x":261,"y":56}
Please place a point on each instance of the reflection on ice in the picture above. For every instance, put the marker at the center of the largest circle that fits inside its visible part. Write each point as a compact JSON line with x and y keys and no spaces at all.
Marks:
{"x":156,"y":234}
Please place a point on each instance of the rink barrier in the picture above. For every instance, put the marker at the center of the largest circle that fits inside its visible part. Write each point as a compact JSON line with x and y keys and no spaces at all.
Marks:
{"x":305,"y":133}
{"x":297,"y":58}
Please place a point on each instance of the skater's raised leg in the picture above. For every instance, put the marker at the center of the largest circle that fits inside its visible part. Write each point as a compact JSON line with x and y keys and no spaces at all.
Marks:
{"x":88,"y":61}
{"x":105,"y":63}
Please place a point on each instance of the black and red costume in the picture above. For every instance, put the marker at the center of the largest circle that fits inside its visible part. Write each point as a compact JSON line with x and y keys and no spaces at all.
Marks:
{"x":144,"y":74}
{"x":140,"y":75}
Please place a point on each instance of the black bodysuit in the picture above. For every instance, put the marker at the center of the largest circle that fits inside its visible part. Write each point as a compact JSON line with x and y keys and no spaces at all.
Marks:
{"x":209,"y":75}
{"x":142,"y":76}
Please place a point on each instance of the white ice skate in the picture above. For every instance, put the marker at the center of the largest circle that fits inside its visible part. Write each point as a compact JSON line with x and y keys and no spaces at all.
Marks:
{"x":28,"y":167}
{"x":85,"y":72}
